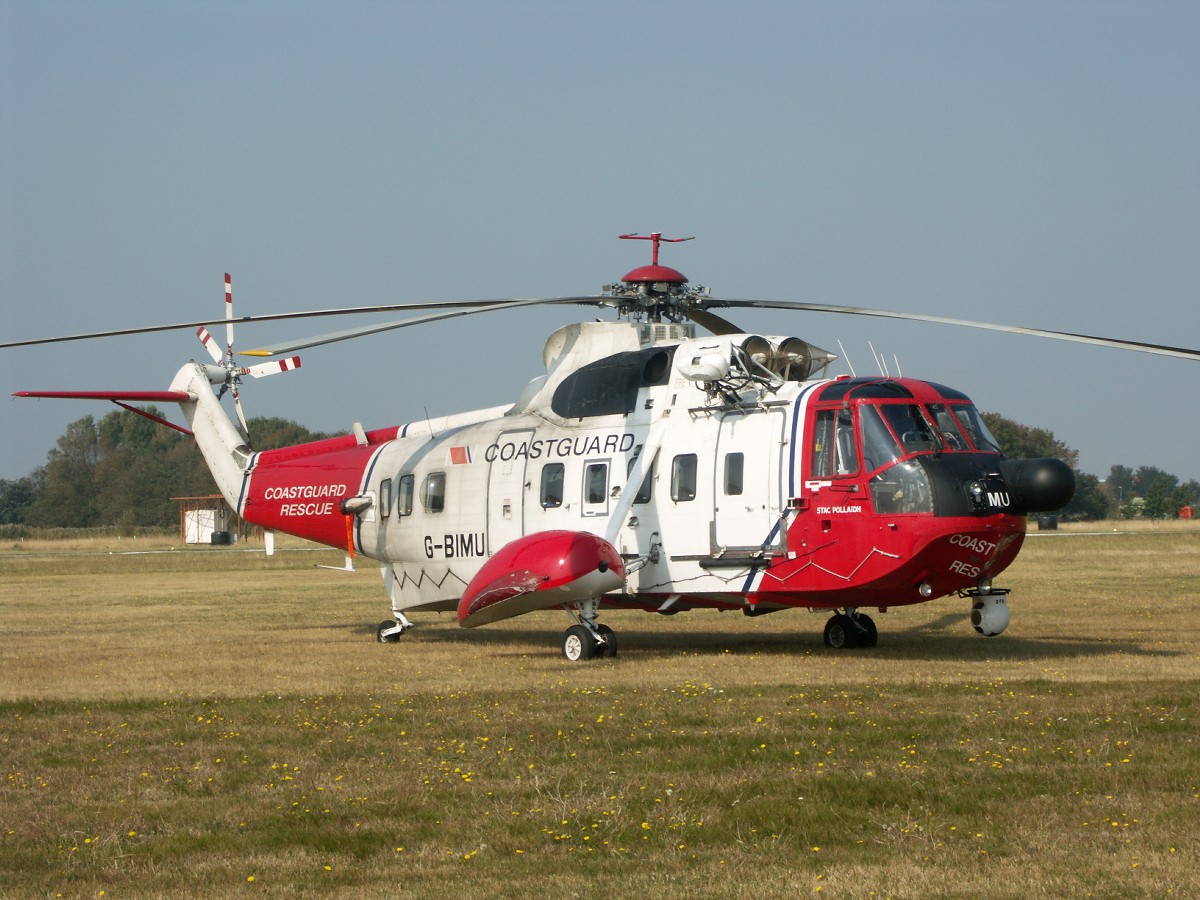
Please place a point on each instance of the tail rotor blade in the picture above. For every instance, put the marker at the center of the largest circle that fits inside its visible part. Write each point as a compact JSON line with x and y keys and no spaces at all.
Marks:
{"x":229,"y":314}
{"x":262,"y":370}
{"x":211,"y":345}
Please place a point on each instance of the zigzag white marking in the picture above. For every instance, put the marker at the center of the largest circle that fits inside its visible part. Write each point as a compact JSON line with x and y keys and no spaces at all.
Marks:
{"x":810,"y":564}
{"x":417,"y":583}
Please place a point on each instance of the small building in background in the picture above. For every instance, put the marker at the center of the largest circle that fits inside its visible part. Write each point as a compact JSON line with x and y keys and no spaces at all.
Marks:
{"x":209,"y":520}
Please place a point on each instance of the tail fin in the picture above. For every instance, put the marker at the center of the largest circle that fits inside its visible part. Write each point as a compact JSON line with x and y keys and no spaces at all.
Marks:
{"x":221,"y":443}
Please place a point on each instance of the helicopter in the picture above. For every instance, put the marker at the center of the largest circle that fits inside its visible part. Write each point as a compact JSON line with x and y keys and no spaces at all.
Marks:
{"x":650,"y":467}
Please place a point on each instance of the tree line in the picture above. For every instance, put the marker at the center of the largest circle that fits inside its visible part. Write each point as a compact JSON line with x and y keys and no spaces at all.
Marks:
{"x":123,"y":470}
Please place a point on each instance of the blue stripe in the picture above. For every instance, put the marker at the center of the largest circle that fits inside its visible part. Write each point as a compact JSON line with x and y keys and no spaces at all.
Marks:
{"x":241,"y":502}
{"x":795,"y":442}
{"x":796,"y":417}
{"x":366,"y":480}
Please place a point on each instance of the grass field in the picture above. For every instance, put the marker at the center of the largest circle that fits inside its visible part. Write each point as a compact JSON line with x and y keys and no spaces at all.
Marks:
{"x":214,"y":721}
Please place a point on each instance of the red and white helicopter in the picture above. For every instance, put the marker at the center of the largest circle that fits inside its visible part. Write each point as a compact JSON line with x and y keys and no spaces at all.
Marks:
{"x":648,"y":468}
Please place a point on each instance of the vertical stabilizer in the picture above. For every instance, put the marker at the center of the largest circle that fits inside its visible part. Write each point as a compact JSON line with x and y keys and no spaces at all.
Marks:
{"x":221,"y":443}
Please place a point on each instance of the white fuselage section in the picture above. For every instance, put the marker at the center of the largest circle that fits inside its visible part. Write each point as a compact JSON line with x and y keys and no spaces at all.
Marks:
{"x":446,"y":495}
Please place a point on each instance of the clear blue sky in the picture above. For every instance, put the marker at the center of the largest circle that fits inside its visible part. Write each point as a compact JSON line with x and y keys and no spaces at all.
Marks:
{"x":1032,"y":163}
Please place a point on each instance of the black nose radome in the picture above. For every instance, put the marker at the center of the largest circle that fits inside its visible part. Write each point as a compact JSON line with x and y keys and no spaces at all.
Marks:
{"x":1038,"y":485}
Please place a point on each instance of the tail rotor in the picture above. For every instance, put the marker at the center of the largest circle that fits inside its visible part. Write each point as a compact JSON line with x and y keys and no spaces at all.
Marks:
{"x":231,"y":374}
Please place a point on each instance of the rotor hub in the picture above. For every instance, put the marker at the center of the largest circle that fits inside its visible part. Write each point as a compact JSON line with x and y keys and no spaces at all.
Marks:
{"x":654,"y":274}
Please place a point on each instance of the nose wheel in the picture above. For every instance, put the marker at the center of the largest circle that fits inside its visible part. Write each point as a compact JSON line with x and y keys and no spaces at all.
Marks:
{"x":587,"y":639}
{"x":390,"y":630}
{"x":849,"y":629}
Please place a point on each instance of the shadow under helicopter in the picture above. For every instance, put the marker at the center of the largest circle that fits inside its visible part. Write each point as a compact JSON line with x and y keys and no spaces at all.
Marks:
{"x":928,"y":641}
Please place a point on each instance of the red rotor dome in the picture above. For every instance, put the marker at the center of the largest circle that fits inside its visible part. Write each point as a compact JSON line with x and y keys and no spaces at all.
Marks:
{"x":654,"y":274}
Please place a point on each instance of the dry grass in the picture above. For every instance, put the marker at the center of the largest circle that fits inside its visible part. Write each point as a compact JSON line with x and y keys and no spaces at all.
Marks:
{"x":217,"y":722}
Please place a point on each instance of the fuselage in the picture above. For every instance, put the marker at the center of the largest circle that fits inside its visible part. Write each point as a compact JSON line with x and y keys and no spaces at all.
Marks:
{"x":825,"y":493}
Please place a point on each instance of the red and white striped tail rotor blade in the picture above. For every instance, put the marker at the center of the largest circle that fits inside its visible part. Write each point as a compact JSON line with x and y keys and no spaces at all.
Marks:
{"x":229,"y":314}
{"x":210,"y":344}
{"x":262,"y":370}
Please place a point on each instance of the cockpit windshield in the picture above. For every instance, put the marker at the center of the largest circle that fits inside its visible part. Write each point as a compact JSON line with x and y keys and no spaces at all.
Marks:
{"x":910,"y":425}
{"x":893,"y":430}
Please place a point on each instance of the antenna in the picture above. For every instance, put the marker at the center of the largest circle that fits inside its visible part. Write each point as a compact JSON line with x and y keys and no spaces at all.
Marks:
{"x":879,"y":363}
{"x":846,"y":357}
{"x":657,"y":238}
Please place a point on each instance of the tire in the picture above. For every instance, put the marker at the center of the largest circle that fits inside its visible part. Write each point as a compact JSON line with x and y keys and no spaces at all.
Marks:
{"x":869,"y":636}
{"x":609,"y":648}
{"x":387,"y":638}
{"x":840,"y":632}
{"x":578,"y":644}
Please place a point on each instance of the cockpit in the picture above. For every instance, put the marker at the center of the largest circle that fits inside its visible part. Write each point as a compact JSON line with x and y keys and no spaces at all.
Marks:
{"x":881,"y":428}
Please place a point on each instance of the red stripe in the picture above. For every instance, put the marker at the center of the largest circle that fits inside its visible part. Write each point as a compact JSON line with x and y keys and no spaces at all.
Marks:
{"x":163,"y":396}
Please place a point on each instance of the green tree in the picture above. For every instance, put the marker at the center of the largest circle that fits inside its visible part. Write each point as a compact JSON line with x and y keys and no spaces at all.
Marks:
{"x":271,"y":433}
{"x":1189,"y":493}
{"x":1090,"y":501}
{"x":68,"y":497}
{"x":1022,"y":442}
{"x":1151,"y":478}
{"x":134,"y":476}
{"x":17,"y":496}
{"x":124,"y":470}
{"x":1121,"y":480}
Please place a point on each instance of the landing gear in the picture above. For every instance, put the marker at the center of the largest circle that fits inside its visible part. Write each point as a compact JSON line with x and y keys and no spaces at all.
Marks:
{"x":579,"y":643}
{"x":585,"y":639}
{"x":850,"y":629}
{"x":389,"y":631}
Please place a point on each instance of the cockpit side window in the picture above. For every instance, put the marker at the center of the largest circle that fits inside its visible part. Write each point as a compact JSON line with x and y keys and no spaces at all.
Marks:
{"x":947,"y":426}
{"x":835,"y":451}
{"x":975,"y":428}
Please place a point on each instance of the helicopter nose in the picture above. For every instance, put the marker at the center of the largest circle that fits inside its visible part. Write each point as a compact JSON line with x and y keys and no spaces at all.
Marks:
{"x":1038,"y":485}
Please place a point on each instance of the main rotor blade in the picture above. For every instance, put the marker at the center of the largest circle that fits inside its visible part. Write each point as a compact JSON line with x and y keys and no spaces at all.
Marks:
{"x":712,"y":322}
{"x":335,"y":336}
{"x":1141,"y":346}
{"x":310,"y":314}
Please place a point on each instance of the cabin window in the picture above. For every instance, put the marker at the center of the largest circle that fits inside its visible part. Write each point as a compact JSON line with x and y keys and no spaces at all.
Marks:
{"x":552,"y":485}
{"x":835,"y":451}
{"x":643,"y":494}
{"x":734,"y":473}
{"x":595,"y":482}
{"x":404,"y":498}
{"x":610,"y":386}
{"x":385,"y":498}
{"x":595,"y":489}
{"x":683,"y":477}
{"x":433,"y":492}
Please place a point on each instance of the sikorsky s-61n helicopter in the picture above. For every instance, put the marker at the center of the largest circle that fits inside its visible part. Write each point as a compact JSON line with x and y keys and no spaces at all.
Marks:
{"x":649,"y":468}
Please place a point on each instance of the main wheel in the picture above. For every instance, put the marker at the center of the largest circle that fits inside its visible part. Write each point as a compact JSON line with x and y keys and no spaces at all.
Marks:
{"x":840,"y":632}
{"x":609,"y":648}
{"x":869,"y":636}
{"x":384,"y":638}
{"x":578,"y":644}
